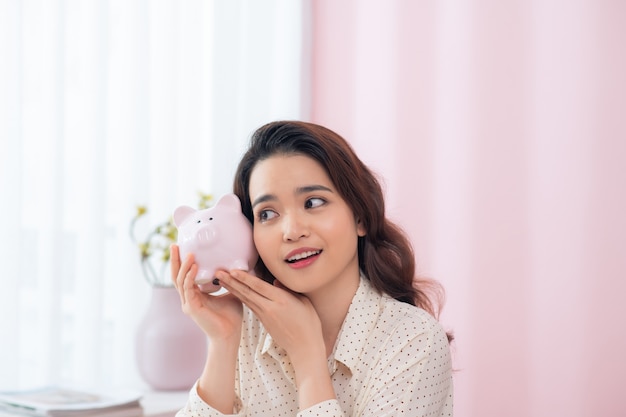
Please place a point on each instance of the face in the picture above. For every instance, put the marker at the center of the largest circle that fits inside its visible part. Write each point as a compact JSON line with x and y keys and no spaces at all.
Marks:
{"x":304,"y":231}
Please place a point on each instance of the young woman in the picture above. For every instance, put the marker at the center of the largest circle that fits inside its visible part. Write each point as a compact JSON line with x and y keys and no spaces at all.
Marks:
{"x":335,"y":322}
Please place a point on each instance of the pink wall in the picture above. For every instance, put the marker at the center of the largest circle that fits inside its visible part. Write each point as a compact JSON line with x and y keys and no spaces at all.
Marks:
{"x":500,"y":131}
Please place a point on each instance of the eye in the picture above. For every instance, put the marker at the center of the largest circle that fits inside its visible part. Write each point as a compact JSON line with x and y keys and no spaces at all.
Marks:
{"x":314,"y":202}
{"x":266,"y":215}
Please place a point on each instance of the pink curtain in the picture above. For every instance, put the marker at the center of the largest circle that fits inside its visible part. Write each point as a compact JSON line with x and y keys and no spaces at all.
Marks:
{"x":499,"y":129}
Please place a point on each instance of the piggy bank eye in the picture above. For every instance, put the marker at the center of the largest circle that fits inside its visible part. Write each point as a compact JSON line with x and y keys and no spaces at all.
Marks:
{"x":198,"y":221}
{"x":210,"y":218}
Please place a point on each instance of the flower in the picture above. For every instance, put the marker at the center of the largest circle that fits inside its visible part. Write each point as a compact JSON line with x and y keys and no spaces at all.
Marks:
{"x":154,"y":250}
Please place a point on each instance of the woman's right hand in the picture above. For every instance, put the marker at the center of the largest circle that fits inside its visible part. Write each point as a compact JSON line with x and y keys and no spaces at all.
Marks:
{"x":219,"y":316}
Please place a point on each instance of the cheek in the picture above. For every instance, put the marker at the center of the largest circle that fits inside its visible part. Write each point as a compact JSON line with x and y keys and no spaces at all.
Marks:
{"x":340,"y":225}
{"x":262,"y":242}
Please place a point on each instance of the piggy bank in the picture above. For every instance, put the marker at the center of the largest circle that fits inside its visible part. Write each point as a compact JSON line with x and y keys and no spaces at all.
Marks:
{"x":220,"y":237}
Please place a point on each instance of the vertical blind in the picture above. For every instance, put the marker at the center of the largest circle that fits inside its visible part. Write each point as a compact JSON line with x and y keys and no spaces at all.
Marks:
{"x":106,"y":105}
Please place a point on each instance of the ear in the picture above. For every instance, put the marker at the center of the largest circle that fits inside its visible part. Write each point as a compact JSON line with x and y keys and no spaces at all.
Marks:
{"x":181,"y":213}
{"x":360,"y":228}
{"x":230,"y":201}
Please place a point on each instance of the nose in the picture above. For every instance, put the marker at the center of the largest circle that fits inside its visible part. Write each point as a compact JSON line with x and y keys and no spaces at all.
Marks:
{"x":294,"y":227}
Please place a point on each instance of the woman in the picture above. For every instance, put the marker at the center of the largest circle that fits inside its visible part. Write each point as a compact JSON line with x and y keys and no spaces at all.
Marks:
{"x":334,"y":323}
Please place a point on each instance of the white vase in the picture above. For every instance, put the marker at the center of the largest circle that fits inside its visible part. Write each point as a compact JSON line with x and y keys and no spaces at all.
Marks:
{"x":170,"y":349}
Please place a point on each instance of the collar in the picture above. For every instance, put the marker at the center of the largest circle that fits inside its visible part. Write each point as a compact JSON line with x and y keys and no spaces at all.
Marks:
{"x":358,"y":324}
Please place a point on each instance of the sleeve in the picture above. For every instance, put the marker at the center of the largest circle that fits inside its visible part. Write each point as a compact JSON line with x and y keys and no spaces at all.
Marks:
{"x":196,"y":407}
{"x":413,"y":378}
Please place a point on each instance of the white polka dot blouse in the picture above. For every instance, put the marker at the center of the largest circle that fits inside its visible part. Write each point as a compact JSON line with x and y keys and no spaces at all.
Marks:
{"x":390,"y":359}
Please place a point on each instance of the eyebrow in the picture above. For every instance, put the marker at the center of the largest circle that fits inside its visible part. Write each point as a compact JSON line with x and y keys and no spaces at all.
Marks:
{"x":300,"y":190}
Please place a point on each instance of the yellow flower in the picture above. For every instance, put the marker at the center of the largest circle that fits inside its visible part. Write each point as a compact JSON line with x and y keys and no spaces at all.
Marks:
{"x":204,"y":200}
{"x":171,"y":232}
{"x":144,"y":250}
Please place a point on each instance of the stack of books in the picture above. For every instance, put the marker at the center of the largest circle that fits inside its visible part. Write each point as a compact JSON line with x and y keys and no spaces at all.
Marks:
{"x":67,"y":402}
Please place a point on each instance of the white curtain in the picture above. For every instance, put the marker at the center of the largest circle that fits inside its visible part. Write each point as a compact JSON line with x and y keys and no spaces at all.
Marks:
{"x":106,"y":105}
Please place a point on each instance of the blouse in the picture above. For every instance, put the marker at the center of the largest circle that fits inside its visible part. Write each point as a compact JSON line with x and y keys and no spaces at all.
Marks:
{"x":390,"y":359}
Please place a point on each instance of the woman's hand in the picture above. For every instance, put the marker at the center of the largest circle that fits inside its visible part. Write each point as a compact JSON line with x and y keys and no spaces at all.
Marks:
{"x":294,"y":324}
{"x":289,"y":317}
{"x":218,"y":316}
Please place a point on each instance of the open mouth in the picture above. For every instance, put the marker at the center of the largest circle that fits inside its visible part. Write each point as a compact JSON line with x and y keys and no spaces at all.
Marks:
{"x":302,"y":255}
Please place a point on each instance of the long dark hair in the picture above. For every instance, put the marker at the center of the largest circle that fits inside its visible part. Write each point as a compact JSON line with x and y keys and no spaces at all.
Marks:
{"x":385,"y":254}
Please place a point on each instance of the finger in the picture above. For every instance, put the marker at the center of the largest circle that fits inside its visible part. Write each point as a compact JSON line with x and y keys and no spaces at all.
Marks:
{"x":189,"y":281}
{"x":175,"y":269}
{"x":257,"y":294}
{"x":240,"y":290}
{"x":185,"y":268}
{"x":276,"y":283}
{"x":280,"y":285}
{"x":256,"y":284}
{"x":189,"y":288}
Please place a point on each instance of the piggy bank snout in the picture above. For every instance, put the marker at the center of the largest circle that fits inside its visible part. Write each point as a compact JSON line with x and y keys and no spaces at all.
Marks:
{"x":205,"y":234}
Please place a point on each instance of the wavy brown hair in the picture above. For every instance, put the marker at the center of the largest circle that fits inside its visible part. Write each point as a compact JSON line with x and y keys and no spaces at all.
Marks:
{"x":385,"y":254}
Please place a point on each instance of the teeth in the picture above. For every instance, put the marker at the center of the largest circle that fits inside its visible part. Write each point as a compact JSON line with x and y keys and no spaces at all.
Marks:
{"x":302,"y":255}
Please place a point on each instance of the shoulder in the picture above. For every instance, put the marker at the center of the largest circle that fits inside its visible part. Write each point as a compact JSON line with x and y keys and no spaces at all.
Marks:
{"x":414,"y":319}
{"x":405,"y":345}
{"x":400,"y":313}
{"x":390,"y":318}
{"x":387,"y":322}
{"x":404,"y":325}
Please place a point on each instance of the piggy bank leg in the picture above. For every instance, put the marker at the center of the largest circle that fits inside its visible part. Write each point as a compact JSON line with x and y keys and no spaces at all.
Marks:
{"x":240,"y":264}
{"x":204,"y":277}
{"x":209,"y":287}
{"x":205,"y":281}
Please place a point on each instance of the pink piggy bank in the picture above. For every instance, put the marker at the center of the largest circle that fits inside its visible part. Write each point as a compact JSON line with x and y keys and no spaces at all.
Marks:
{"x":220,"y":237}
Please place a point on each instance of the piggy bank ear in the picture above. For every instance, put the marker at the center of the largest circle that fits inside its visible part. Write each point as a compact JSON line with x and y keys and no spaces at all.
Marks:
{"x":230,"y":201}
{"x":181,"y":213}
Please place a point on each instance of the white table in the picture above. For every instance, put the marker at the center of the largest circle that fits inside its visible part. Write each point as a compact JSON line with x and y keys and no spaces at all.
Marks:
{"x":163,"y":403}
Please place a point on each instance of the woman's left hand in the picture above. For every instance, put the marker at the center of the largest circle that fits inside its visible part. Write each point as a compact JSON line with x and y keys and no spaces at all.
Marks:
{"x":294,"y":324}
{"x":289,"y":317}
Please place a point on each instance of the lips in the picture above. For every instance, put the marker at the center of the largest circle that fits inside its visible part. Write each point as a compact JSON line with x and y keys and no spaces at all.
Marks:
{"x":301,"y":254}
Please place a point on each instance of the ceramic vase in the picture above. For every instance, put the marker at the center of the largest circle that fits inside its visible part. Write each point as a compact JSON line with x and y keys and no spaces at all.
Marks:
{"x":170,"y":349}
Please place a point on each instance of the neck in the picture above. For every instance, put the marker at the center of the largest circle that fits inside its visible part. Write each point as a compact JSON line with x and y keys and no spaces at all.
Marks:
{"x":332,"y":308}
